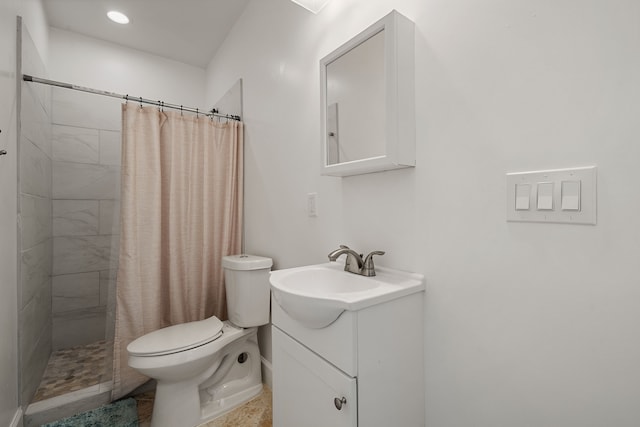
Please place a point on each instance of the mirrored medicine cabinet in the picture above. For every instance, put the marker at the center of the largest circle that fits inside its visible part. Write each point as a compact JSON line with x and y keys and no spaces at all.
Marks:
{"x":367,"y":100}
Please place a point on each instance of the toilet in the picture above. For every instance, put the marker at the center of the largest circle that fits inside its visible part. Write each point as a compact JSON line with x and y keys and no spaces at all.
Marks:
{"x":208,"y":367}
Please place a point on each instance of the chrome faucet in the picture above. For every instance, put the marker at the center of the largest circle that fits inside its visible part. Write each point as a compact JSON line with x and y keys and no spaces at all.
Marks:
{"x":354,"y":263}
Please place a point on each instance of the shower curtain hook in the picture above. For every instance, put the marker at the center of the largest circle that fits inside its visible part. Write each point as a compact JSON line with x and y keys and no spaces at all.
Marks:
{"x":126,"y":98}
{"x":181,"y":110}
{"x":197,"y":113}
{"x":140,"y":102}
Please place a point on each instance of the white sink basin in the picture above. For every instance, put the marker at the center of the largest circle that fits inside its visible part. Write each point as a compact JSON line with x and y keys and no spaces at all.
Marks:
{"x":316,"y":295}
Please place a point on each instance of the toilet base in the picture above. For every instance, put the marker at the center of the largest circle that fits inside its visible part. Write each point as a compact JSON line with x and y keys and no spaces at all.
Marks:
{"x":185,"y":411}
{"x":218,"y":408}
{"x":235,"y":379}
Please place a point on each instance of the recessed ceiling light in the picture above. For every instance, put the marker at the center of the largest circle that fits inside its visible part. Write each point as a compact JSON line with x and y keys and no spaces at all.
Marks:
{"x":118,"y":17}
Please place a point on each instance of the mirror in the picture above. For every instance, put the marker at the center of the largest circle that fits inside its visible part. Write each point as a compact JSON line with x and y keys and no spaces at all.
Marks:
{"x":367,"y":111}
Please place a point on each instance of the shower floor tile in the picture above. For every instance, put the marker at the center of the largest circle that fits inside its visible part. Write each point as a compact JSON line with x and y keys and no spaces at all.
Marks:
{"x":73,"y":369}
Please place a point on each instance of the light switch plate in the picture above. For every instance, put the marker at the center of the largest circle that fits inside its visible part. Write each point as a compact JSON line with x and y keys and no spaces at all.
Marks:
{"x":312,"y":204}
{"x":562,"y":209}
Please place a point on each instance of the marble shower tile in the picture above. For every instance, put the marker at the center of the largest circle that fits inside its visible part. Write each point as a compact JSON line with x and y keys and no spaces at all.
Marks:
{"x":107,"y":286}
{"x":75,"y":291}
{"x":78,"y":327}
{"x":74,"y":144}
{"x":85,"y":181}
{"x":35,"y":122}
{"x":109,"y":217}
{"x":108,"y":300}
{"x":35,"y":170}
{"x":110,"y":147}
{"x":35,"y":363}
{"x":81,"y":109}
{"x":35,"y":213}
{"x":80,"y":254}
{"x":36,"y":320}
{"x":104,"y":292}
{"x":115,"y":252}
{"x":75,"y":217}
{"x":36,"y":266}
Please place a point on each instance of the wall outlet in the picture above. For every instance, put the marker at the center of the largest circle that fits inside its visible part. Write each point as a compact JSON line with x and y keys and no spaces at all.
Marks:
{"x":312,"y":204}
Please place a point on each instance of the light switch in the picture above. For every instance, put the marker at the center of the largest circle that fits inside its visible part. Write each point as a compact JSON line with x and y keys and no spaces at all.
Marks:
{"x":570,"y":191}
{"x":523,"y":194}
{"x":545,"y":196}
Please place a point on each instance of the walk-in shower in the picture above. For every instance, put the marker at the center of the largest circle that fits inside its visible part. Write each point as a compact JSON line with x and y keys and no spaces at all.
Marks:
{"x":69,"y":173}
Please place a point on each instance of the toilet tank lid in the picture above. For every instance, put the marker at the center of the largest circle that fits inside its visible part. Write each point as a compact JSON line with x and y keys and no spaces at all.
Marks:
{"x":246,"y":262}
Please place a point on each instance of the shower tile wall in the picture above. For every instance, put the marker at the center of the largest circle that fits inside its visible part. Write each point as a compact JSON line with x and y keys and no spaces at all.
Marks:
{"x":85,"y":192}
{"x":34,"y":291}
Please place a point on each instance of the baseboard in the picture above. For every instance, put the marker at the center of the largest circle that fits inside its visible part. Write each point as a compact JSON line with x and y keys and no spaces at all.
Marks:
{"x":17,"y":419}
{"x":267,"y":372}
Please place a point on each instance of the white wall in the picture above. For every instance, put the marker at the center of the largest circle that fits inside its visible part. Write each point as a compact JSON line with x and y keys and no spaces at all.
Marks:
{"x":526,"y":324}
{"x":93,"y":63}
{"x":271,"y":49}
{"x":35,"y":20}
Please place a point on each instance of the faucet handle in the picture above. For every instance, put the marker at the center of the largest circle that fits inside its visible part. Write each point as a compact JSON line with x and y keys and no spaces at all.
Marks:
{"x":370,"y":256}
{"x":368,"y":269}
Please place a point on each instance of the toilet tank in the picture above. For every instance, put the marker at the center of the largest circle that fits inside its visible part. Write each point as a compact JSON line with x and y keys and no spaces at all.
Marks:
{"x":248,"y":289}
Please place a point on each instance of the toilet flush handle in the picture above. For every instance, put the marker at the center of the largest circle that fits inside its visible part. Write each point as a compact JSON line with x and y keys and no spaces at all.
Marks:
{"x":339,"y":402}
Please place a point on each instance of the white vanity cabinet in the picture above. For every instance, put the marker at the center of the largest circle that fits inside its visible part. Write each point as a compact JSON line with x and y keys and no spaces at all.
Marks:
{"x":308,"y":386}
{"x":368,"y":362}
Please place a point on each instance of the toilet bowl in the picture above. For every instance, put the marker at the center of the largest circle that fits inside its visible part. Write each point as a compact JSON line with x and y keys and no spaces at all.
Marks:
{"x":208,"y":367}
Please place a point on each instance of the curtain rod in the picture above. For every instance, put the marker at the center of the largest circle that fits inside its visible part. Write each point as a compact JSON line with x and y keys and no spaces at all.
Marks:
{"x":161,"y":104}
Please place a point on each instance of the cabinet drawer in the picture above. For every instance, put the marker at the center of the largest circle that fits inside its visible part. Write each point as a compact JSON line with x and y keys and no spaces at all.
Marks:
{"x":336,"y":343}
{"x":305,"y":386}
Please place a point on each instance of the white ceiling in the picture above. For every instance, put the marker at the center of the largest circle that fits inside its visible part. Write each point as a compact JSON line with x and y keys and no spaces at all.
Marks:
{"x":188,"y":31}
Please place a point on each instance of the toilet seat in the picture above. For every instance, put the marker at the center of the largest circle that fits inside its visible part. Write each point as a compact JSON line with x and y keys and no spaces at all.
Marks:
{"x":177,"y":338}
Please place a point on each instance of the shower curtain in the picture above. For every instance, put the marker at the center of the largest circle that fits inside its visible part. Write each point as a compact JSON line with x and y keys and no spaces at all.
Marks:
{"x":180,"y":214}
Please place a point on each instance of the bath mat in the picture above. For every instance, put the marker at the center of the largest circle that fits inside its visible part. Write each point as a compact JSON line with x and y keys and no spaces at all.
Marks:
{"x":122,"y":413}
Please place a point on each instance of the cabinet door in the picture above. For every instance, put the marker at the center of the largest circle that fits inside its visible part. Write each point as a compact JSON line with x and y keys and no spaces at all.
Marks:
{"x":305,"y":386}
